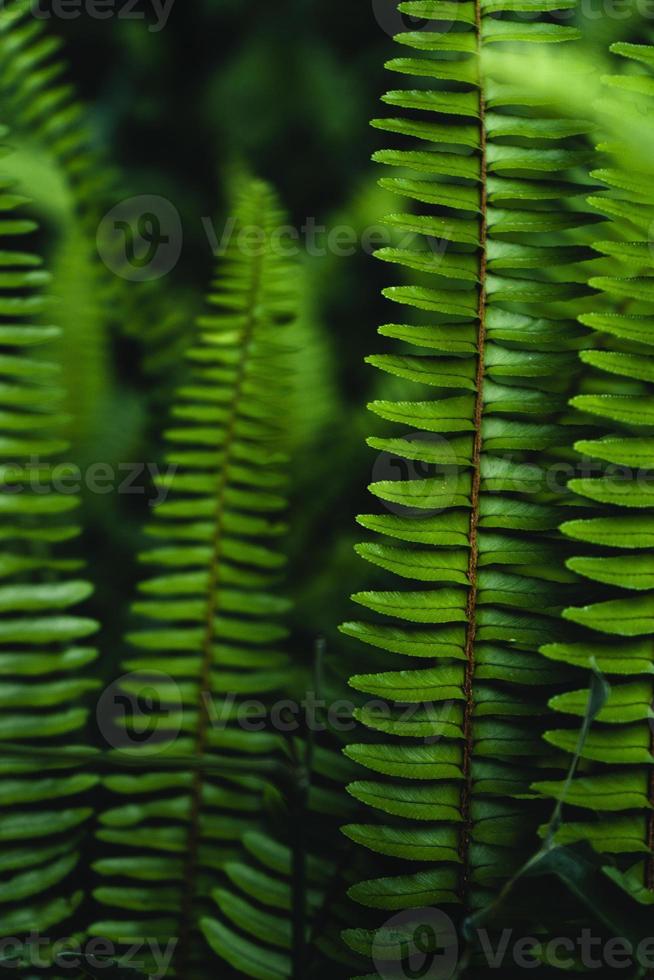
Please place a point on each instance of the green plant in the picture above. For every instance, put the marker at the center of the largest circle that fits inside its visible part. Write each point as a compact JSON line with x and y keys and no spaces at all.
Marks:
{"x":55,"y":164}
{"x":498,"y":254}
{"x":44,"y":659}
{"x":510,"y":572}
{"x":211,"y":630}
{"x":612,"y":535}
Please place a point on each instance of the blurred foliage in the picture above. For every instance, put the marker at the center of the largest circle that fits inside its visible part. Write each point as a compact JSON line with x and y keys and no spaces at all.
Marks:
{"x":184,"y":109}
{"x":286,"y":92}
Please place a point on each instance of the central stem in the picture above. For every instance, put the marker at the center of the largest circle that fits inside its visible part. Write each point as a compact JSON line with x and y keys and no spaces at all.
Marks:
{"x":473,"y":561}
{"x":204,"y":682}
{"x":649,"y":867}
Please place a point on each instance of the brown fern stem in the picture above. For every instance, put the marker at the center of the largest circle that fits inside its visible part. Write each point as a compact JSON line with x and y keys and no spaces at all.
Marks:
{"x":649,"y":866}
{"x":473,"y":560}
{"x":204,"y":684}
{"x":649,"y":863}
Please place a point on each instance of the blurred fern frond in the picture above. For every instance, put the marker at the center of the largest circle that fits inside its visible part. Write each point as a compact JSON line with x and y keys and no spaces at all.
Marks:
{"x":610,"y":802}
{"x":43,"y":636}
{"x":213,"y":631}
{"x":56,"y":164}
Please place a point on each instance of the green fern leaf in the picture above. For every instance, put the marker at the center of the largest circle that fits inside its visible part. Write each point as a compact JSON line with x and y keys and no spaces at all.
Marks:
{"x":497,"y":306}
{"x":610,"y":803}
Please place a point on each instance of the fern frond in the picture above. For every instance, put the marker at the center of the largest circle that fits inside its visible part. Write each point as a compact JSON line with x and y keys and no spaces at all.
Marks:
{"x":212,"y":614}
{"x":43,"y":637}
{"x":610,"y":802}
{"x":55,"y":164}
{"x":298,"y":868}
{"x":489,"y":355}
{"x":259,"y":942}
